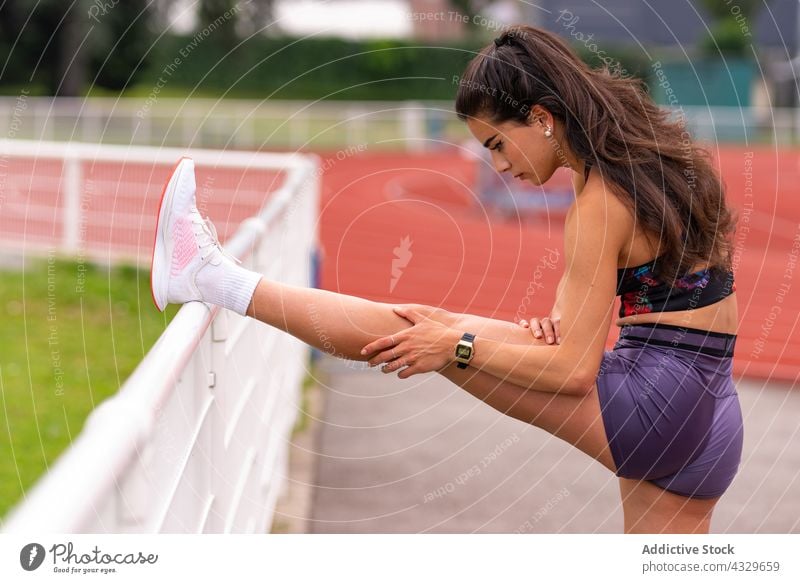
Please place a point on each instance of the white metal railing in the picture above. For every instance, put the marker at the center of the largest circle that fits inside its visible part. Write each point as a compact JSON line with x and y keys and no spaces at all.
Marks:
{"x":256,"y":124}
{"x":227,"y":123}
{"x":756,"y":124}
{"x":196,"y":440}
{"x":90,"y":200}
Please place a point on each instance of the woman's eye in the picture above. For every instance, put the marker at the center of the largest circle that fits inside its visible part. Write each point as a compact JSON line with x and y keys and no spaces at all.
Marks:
{"x":498,"y":146}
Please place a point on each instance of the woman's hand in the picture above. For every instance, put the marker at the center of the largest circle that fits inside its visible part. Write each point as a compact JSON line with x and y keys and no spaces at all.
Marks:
{"x":547,"y":327}
{"x":427,"y":346}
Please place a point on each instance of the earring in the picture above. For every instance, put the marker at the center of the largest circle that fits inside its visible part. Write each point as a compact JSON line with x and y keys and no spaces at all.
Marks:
{"x":548,"y":132}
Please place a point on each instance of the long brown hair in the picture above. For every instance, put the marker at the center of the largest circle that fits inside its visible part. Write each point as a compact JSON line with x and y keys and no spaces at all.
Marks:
{"x":612,"y":124}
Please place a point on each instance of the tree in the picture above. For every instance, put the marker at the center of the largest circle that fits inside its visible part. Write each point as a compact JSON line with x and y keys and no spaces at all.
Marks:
{"x":257,"y":17}
{"x":732,"y":32}
{"x":222,"y":15}
{"x":56,"y":47}
{"x":45,"y":45}
{"x":121,"y":40}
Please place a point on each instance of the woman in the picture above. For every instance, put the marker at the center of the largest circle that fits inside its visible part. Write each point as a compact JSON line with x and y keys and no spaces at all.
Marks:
{"x":649,"y":223}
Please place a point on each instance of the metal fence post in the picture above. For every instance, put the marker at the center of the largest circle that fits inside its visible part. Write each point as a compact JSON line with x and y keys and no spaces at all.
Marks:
{"x":413,"y":130}
{"x":72,"y":202}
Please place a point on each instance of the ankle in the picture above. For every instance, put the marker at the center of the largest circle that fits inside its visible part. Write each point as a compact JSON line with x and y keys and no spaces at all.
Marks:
{"x":251,"y":307}
{"x":228,"y":285}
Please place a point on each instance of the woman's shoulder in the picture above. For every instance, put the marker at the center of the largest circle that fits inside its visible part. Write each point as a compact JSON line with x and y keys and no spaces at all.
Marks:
{"x":597,"y":207}
{"x":597,"y":192}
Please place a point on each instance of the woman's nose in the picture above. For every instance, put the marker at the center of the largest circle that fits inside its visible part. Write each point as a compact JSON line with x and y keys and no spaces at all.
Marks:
{"x":500,"y":162}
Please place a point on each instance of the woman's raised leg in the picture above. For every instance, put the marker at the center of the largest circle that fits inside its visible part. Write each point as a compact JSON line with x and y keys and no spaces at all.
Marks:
{"x":336,"y":323}
{"x":348,"y":323}
{"x":343,"y":324}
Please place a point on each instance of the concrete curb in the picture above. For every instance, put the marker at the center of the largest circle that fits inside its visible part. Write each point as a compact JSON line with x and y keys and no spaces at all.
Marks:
{"x":294,"y":506}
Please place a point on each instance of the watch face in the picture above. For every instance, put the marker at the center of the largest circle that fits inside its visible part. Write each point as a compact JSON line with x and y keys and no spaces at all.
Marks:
{"x":463,"y":351}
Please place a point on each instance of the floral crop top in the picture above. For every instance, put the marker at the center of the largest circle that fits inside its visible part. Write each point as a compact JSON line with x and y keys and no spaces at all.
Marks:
{"x":642,"y":293}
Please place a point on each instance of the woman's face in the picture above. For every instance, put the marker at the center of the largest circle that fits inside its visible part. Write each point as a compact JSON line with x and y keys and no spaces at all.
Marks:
{"x":522,"y":150}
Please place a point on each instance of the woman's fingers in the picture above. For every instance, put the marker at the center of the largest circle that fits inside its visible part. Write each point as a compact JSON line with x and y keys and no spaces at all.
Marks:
{"x":549,"y":330}
{"x":382,"y":343}
{"x":386,"y":356}
{"x":536,"y":328}
{"x":545,"y":328}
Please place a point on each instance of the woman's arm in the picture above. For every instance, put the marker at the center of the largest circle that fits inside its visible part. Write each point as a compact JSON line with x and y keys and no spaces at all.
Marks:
{"x":555,"y":311}
{"x":499,"y":328}
{"x":594,"y":235}
{"x":547,"y":327}
{"x":592,"y":250}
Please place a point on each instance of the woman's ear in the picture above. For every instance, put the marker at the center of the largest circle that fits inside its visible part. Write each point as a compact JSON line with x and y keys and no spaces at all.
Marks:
{"x":539,"y":115}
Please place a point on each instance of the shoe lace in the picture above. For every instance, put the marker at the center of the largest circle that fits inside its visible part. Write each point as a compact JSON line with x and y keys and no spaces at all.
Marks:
{"x":211,"y":239}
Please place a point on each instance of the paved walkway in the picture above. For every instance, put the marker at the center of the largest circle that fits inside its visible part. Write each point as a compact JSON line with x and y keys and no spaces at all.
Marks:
{"x":422,"y":455}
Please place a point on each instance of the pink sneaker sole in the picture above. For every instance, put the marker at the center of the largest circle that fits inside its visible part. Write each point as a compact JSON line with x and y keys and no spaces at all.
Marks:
{"x":162,"y":242}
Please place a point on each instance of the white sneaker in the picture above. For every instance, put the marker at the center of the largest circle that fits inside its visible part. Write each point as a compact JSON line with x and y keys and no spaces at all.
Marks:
{"x":185,"y":244}
{"x":188,"y":262}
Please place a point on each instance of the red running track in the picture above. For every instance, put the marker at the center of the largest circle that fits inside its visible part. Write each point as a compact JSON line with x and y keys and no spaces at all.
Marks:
{"x":409,"y":228}
{"x":456,"y":257}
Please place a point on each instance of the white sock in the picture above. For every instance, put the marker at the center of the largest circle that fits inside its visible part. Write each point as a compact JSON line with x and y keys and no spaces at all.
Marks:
{"x":228,"y":285}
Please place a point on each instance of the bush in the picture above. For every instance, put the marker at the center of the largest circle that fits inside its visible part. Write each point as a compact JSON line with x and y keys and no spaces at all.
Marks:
{"x":287,"y":68}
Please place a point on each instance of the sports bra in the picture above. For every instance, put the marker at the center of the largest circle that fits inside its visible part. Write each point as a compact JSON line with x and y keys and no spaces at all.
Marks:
{"x":642,"y":293}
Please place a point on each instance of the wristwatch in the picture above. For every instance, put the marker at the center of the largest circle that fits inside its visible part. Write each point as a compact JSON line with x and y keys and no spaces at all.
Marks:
{"x":464,"y":350}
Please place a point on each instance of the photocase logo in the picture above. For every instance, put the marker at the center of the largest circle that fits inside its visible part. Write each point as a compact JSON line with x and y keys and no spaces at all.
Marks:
{"x":402,"y":255}
{"x":31,"y":556}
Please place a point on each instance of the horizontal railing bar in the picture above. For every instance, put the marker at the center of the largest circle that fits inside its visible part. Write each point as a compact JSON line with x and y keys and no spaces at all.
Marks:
{"x":154,"y":155}
{"x":202,"y":521}
{"x":242,"y":400}
{"x":134,"y":105}
{"x":246,"y":469}
{"x":161,"y":515}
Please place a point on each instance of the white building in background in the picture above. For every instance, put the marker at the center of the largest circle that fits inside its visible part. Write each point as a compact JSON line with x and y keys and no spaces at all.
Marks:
{"x":346,"y":18}
{"x":427,"y":20}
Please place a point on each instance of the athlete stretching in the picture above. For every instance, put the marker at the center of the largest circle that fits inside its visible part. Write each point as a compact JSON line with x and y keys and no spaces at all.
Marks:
{"x":649,"y":223}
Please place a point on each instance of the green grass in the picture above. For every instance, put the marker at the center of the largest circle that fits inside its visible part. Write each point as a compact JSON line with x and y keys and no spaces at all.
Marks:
{"x":311,"y":382}
{"x":71,"y":334}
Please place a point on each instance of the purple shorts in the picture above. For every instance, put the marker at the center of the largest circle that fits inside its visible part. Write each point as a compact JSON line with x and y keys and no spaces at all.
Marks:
{"x":670,"y":408}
